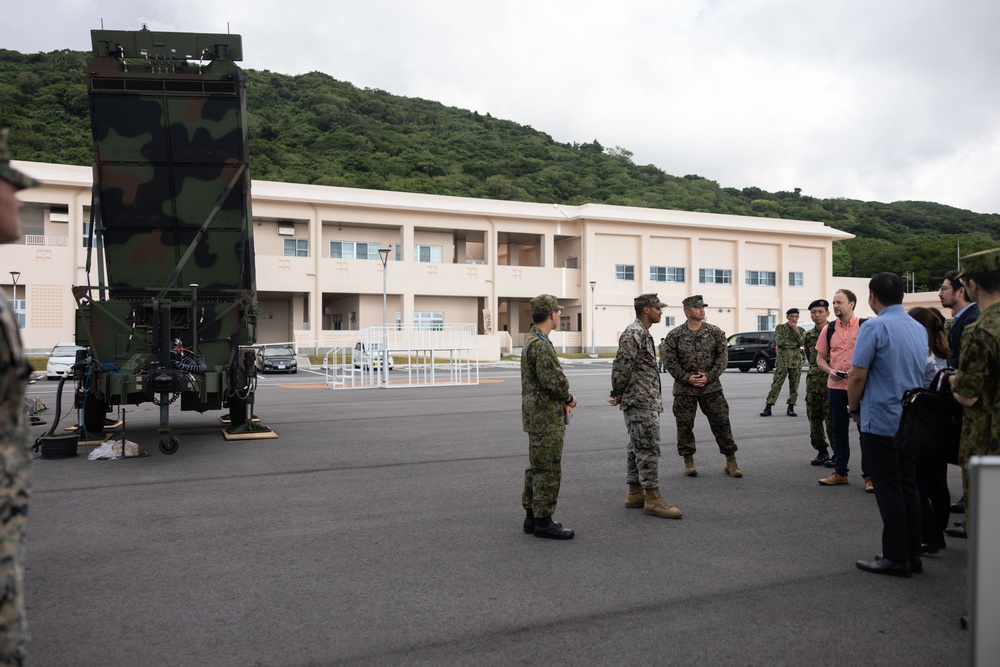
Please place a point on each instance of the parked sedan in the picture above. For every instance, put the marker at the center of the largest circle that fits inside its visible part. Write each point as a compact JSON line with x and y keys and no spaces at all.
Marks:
{"x":63,"y":356}
{"x":276,"y":360}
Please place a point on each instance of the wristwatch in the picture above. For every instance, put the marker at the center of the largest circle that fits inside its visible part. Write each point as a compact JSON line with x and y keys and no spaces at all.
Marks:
{"x":853,"y":412}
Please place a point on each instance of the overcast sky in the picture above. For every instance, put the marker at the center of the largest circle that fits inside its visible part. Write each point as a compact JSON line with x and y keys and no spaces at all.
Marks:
{"x":865,"y":99}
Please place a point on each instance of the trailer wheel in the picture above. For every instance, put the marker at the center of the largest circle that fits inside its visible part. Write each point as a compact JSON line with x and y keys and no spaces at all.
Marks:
{"x":169,"y":445}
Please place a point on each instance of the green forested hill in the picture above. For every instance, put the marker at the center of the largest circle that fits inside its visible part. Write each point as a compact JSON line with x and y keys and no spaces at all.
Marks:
{"x":314,"y":129}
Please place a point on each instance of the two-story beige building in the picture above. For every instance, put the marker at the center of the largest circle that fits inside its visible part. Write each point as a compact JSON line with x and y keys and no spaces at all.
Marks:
{"x":452,"y":260}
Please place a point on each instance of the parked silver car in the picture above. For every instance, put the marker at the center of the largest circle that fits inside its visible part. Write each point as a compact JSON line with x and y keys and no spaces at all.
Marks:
{"x":63,"y":356}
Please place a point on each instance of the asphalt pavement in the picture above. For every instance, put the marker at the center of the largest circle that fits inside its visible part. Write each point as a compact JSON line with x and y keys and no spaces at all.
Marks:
{"x":383,"y":527}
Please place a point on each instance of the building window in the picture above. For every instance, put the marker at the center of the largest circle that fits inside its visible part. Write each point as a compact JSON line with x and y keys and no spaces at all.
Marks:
{"x":670,"y":321}
{"x":20,"y":307}
{"x":715,"y":276}
{"x":666,"y":274}
{"x":296,"y":247}
{"x":399,"y":251}
{"x":338,"y":321}
{"x":624,"y":272}
{"x":352,"y":250}
{"x":428,"y":321}
{"x":564,"y":323}
{"x":795,"y":279}
{"x":765,"y":322}
{"x":427,"y":253}
{"x":763,"y":278}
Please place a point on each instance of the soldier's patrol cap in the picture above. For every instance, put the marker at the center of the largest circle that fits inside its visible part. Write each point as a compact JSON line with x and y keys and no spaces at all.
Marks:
{"x":980,"y":262}
{"x":18,"y":179}
{"x":820,"y":303}
{"x":694,"y":302}
{"x":543,"y":304}
{"x":792,"y":311}
{"x":650,"y":300}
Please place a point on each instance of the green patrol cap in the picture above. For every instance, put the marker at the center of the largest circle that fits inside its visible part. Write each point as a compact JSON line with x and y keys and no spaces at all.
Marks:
{"x":694,"y":302}
{"x":651,"y":300}
{"x":18,"y":179}
{"x":543,"y":304}
{"x":980,"y":262}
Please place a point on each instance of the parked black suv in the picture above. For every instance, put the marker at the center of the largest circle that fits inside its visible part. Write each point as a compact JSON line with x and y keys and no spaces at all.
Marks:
{"x":752,"y":349}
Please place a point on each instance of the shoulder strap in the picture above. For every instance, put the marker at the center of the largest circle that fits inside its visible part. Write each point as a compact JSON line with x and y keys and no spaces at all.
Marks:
{"x":831,"y":325}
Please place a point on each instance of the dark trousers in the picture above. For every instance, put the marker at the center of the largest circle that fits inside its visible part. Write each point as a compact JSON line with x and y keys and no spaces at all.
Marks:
{"x":935,"y":499}
{"x":894,"y":475}
{"x":842,"y":433}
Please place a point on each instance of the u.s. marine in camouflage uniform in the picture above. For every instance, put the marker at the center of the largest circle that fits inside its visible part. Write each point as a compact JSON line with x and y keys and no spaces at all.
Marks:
{"x":976,"y":384}
{"x":817,"y":396}
{"x":15,"y":456}
{"x":545,"y":402}
{"x":663,"y":355}
{"x":697,"y":356}
{"x":788,"y":338}
{"x":635,"y":388}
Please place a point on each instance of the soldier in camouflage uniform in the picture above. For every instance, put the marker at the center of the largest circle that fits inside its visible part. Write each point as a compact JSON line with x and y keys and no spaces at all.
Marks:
{"x":635,"y":388}
{"x":545,"y":408}
{"x":817,"y":398}
{"x":697,"y":356}
{"x":788,"y":338}
{"x":14,"y":445}
{"x":663,"y":355}
{"x":976,"y":384}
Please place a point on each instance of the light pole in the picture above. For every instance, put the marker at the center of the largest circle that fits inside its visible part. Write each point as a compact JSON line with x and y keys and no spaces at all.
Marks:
{"x":593,"y":313}
{"x":384,"y":256}
{"x":14,"y":275}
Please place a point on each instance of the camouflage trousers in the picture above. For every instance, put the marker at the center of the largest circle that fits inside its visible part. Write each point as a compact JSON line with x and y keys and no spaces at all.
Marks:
{"x":818,"y":412}
{"x":642,"y":463}
{"x":966,"y":452}
{"x":781,"y":371}
{"x":14,"y":494}
{"x":716,"y":408}
{"x":544,"y":473}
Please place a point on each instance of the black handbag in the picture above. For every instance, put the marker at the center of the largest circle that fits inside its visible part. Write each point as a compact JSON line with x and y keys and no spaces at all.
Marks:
{"x":931,"y":425}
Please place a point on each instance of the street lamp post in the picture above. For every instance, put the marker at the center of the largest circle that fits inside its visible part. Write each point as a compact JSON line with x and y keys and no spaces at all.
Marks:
{"x":14,"y":275}
{"x":384,"y":256}
{"x":593,"y":312}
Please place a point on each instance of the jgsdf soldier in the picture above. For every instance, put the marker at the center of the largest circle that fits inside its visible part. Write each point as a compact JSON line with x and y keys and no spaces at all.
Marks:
{"x":14,"y":453}
{"x":635,"y":387}
{"x":545,"y":408}
{"x":788,"y":338}
{"x":697,"y":356}
{"x":817,"y":398}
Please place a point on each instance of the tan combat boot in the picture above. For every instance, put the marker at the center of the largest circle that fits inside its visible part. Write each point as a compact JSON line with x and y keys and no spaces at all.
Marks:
{"x":689,"y":468}
{"x":731,"y":468}
{"x":635,"y":497}
{"x":656,"y":506}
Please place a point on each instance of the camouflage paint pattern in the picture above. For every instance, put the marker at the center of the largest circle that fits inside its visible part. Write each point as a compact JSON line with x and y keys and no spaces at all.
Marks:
{"x":544,"y":390}
{"x":716,"y":408}
{"x":173,"y":225}
{"x":15,"y":459}
{"x":788,"y":363}
{"x":978,"y":376}
{"x":817,"y":398}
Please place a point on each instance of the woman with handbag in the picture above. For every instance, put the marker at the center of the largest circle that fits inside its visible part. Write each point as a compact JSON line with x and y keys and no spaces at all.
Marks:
{"x":932,"y":471}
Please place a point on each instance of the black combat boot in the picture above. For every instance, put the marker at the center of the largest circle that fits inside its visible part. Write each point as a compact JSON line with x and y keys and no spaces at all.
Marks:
{"x":767,"y":410}
{"x":547,"y":527}
{"x":791,"y":411}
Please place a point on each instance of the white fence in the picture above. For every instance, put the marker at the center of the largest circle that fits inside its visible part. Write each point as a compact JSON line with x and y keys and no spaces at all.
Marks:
{"x":443,"y":355}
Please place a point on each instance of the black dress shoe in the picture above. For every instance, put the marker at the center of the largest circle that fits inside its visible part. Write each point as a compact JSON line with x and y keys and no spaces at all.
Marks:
{"x":829,"y":463}
{"x":958,"y":507}
{"x":957,"y":531}
{"x":885,"y":566}
{"x":964,"y":621}
{"x":820,"y":459}
{"x":916,"y":565}
{"x":552,"y":530}
{"x":929,"y":549}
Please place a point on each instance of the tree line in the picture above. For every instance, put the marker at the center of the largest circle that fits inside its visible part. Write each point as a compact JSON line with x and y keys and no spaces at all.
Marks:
{"x":314,"y":129}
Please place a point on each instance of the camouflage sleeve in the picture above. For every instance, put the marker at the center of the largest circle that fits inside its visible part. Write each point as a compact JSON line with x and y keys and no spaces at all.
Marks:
{"x":721,"y":360}
{"x":548,"y":372}
{"x":672,"y":361}
{"x":978,"y":360}
{"x":621,"y":370}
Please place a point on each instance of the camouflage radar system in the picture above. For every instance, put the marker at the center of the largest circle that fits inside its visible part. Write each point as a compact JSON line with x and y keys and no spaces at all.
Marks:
{"x":175,"y":307}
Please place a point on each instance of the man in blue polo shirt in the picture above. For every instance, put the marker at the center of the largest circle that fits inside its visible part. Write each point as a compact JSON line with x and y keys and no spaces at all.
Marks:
{"x":888,"y":359}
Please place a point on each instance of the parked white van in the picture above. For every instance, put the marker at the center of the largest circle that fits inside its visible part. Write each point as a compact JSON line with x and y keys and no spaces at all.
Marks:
{"x":368,"y":355}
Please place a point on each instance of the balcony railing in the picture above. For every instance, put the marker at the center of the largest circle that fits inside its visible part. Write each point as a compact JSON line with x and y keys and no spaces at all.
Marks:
{"x":38,"y":239}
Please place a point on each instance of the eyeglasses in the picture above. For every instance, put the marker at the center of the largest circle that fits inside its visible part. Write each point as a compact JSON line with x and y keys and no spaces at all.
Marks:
{"x":946,"y":288}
